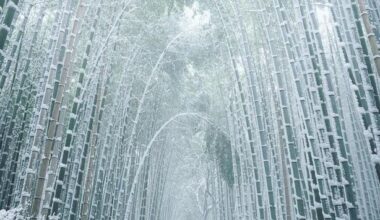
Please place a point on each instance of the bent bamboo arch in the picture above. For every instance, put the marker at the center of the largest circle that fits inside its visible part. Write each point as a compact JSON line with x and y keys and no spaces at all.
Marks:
{"x":149,"y":147}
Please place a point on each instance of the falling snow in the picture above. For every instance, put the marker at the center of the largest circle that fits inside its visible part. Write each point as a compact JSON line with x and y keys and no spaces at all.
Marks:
{"x":189,"y":110}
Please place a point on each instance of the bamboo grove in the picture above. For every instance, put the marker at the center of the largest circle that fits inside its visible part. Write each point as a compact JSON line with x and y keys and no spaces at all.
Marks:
{"x":182,"y":109}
